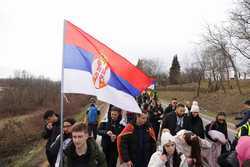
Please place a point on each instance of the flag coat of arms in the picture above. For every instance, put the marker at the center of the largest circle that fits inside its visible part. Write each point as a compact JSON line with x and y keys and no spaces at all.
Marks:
{"x":92,"y":68}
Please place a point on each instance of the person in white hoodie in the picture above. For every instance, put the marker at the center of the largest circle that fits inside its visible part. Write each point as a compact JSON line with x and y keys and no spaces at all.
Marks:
{"x":167,"y":155}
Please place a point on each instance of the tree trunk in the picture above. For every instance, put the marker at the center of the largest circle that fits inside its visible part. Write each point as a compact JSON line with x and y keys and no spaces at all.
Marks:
{"x":199,"y":86}
{"x":235,"y":70}
{"x":222,"y":85}
{"x":228,"y":79}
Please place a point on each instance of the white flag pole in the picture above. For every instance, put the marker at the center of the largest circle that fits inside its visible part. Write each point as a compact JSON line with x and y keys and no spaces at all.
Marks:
{"x":62,"y":95}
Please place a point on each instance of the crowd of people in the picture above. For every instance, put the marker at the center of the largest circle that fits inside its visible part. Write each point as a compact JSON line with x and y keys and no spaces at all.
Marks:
{"x":157,"y":137}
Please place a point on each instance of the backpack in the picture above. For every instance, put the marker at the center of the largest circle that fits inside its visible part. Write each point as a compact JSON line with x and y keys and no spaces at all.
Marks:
{"x":92,"y":115}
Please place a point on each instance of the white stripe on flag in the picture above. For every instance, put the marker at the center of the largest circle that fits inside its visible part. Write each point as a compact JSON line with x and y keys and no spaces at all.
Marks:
{"x":77,"y":81}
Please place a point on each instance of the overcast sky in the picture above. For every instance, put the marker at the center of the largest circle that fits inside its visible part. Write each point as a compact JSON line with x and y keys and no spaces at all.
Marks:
{"x":31,"y":31}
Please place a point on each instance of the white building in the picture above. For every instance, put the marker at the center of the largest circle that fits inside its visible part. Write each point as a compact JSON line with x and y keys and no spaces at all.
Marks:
{"x":231,"y":73}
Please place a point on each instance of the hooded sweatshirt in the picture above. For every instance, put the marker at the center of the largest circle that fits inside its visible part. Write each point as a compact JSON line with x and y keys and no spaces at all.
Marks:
{"x":243,"y":149}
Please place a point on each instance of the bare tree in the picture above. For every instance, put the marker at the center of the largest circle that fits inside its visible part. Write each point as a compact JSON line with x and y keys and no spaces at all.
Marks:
{"x":153,"y":68}
{"x":217,"y":38}
{"x":239,"y":32}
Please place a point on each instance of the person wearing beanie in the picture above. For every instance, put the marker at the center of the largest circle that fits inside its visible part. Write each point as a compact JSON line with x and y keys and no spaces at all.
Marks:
{"x":194,"y":122}
{"x":167,"y":155}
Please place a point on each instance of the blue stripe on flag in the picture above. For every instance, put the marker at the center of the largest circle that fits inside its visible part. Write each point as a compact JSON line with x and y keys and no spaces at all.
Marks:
{"x":79,"y":59}
{"x":76,"y":58}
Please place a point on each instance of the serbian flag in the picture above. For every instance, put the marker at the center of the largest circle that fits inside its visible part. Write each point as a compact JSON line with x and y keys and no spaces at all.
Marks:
{"x":91,"y":68}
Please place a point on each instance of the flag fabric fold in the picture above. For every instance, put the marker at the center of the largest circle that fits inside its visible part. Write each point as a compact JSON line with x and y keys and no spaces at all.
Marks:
{"x":91,"y":68}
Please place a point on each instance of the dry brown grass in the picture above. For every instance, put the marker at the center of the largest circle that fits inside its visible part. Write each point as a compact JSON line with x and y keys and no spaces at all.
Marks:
{"x":19,"y":133}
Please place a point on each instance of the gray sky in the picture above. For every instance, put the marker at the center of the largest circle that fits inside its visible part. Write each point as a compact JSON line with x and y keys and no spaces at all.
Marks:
{"x":31,"y":31}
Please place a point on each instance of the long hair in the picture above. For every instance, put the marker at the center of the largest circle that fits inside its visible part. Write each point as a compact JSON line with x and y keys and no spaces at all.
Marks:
{"x":194,"y":142}
{"x":176,"y":157}
{"x":217,"y":124}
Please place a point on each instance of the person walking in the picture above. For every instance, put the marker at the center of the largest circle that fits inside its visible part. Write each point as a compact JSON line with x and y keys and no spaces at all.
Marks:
{"x":171,"y":107}
{"x":137,"y":142}
{"x":51,"y":131}
{"x":194,"y":122}
{"x":92,"y":117}
{"x":246,"y":113}
{"x":83,"y":151}
{"x":220,"y":125}
{"x":67,"y":138}
{"x":109,"y":131}
{"x":174,"y":121}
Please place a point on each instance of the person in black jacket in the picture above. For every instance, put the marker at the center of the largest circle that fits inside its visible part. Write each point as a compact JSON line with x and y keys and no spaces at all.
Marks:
{"x":155,"y":113}
{"x":51,"y":131}
{"x":83,"y":151}
{"x":137,"y":142}
{"x":67,"y":138}
{"x":194,"y":122}
{"x":109,"y":132}
{"x":220,"y":125}
{"x":174,"y":121}
{"x":171,"y":107}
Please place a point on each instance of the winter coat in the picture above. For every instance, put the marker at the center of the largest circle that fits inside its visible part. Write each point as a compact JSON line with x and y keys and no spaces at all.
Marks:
{"x":228,"y":160}
{"x":51,"y":134}
{"x":136,"y":144}
{"x":94,"y":157}
{"x":169,"y":109}
{"x":116,"y":129}
{"x":214,"y":125}
{"x":55,"y":146}
{"x":246,"y":116}
{"x":155,"y":114}
{"x":170,"y":122}
{"x":243,"y":149}
{"x":155,"y":160}
{"x":110,"y":147}
{"x":184,"y":148}
{"x":195,"y":125}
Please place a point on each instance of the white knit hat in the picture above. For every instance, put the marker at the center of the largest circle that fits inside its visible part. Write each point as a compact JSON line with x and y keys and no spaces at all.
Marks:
{"x":166,"y":137}
{"x":195,"y":107}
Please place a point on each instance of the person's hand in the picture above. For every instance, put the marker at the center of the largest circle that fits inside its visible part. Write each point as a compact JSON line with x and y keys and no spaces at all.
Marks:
{"x":109,"y":133}
{"x":113,"y":137}
{"x":49,"y":126}
{"x":163,"y":157}
{"x":129,"y":164}
{"x":190,"y":161}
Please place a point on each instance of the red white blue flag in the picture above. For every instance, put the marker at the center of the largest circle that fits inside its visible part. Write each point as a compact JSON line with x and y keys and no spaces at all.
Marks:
{"x":91,"y":68}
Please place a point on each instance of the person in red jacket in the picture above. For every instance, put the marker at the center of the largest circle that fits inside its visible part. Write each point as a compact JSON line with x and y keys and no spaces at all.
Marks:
{"x":137,"y":142}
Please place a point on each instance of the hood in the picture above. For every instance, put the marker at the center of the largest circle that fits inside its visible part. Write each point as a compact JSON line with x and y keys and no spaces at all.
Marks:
{"x":166,"y":137}
{"x":243,"y":149}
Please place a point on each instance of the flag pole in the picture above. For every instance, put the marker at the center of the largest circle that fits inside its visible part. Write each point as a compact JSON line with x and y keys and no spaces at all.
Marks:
{"x":61,"y":100}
